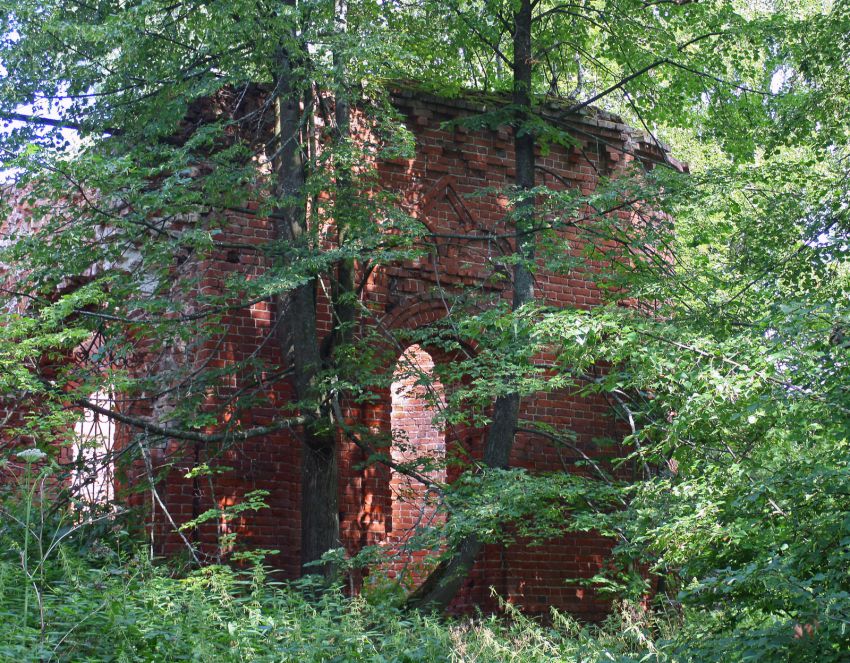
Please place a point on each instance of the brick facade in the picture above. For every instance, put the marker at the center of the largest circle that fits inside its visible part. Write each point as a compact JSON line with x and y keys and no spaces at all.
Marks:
{"x":377,"y":506}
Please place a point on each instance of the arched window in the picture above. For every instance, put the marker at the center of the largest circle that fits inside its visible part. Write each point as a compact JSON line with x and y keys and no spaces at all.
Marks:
{"x":418,"y":441}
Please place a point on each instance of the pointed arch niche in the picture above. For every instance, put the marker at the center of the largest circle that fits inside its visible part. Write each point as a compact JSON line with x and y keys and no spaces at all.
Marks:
{"x":417,"y":397}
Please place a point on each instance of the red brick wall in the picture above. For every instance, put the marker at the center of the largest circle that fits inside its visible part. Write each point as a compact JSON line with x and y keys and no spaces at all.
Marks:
{"x":436,"y":186}
{"x":439,"y":183}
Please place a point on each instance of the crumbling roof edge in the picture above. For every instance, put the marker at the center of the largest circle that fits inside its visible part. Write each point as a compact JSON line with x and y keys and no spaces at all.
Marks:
{"x":475,"y":101}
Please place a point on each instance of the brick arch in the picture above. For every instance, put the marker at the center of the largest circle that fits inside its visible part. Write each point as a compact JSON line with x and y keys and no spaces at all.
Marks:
{"x":426,"y":312}
{"x":536,"y":576}
{"x":420,"y":316}
{"x":402,"y":502}
{"x":366,"y":495}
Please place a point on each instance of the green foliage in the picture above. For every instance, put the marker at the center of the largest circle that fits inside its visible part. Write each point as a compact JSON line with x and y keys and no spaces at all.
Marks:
{"x":145,"y":615}
{"x":729,"y":367}
{"x":95,"y":597}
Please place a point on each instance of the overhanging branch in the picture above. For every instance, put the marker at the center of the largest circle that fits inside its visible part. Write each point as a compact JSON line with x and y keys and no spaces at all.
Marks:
{"x":51,"y":122}
{"x":150,"y":427}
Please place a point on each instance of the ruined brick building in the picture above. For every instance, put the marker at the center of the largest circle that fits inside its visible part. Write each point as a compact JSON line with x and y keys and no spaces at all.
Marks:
{"x":451,"y":163}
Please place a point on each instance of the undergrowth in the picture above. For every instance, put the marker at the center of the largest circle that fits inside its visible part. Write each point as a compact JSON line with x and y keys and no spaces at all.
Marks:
{"x":100,"y":606}
{"x":77,"y":586}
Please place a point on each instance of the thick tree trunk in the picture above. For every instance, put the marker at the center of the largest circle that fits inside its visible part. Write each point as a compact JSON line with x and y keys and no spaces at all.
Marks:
{"x":319,"y":485}
{"x":319,"y":501}
{"x":446,"y":580}
{"x":320,"y":470}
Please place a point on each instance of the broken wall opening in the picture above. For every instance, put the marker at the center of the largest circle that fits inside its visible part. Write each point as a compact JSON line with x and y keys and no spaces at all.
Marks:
{"x":93,"y":453}
{"x":419,"y":442}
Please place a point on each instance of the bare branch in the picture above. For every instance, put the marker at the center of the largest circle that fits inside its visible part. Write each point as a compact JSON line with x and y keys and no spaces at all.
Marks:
{"x":149,"y":426}
{"x":52,"y":122}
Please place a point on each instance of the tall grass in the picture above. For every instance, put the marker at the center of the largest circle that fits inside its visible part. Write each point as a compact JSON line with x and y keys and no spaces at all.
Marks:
{"x":104,"y":607}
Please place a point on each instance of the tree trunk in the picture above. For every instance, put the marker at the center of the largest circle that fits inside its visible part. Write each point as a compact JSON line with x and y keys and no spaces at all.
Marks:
{"x":320,"y":470}
{"x":319,"y":475}
{"x":444,"y":582}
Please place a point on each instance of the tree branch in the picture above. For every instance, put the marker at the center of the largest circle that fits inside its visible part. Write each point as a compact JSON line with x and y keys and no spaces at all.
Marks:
{"x":150,"y":427}
{"x":52,"y":122}
{"x":577,"y":107}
